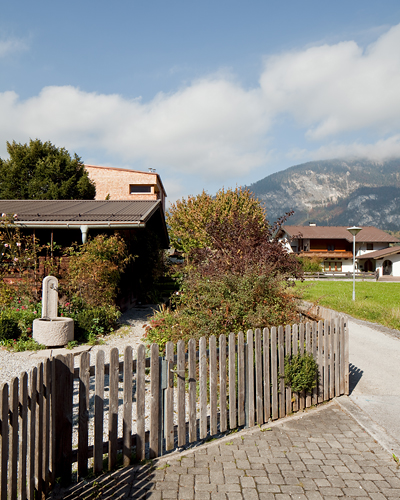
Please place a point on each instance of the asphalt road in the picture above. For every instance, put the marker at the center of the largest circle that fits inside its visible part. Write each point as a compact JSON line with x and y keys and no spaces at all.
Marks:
{"x":375,"y":375}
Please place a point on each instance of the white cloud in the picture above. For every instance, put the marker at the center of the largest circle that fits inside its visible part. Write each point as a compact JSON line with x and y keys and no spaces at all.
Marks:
{"x":216,"y":129}
{"x":212,"y":127}
{"x":9,"y":46}
{"x":332,"y":89}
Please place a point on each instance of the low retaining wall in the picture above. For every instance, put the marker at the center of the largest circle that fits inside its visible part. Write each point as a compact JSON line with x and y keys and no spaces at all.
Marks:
{"x":316,"y":312}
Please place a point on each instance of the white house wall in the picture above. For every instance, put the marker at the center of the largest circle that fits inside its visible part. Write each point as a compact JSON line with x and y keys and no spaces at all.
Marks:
{"x":395,"y":260}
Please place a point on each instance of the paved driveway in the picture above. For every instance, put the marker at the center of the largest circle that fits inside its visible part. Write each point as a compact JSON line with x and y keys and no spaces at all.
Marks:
{"x":375,"y":377}
{"x":320,"y":454}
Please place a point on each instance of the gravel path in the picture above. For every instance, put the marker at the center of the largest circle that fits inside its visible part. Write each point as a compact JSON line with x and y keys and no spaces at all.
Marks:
{"x":130,"y":332}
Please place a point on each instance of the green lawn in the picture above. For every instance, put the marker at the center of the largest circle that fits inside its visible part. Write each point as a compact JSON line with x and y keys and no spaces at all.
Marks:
{"x":376,"y":302}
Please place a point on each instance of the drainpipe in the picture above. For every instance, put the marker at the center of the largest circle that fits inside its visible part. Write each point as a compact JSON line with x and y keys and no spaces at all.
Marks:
{"x":84,"y":231}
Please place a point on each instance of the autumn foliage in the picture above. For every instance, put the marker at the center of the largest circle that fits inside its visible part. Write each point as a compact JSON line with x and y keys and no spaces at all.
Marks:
{"x":236,"y":274}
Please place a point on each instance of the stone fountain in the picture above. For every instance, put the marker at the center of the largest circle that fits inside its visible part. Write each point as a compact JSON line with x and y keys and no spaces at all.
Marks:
{"x":51,"y":330}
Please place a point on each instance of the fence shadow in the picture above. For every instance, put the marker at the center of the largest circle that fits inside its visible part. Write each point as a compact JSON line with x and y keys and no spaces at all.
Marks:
{"x":355,"y":375}
{"x":129,"y":482}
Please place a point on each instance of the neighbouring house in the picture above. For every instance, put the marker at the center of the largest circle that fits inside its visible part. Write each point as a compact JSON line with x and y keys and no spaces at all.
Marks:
{"x":334,"y":245}
{"x":386,"y":261}
{"x":124,"y":184}
{"x":60,"y":223}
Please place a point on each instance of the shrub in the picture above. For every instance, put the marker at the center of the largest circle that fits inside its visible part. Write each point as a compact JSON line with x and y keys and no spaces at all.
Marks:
{"x":94,"y":321}
{"x":301,"y":372}
{"x":95,"y":269}
{"x":9,"y":328}
{"x":310,"y":265}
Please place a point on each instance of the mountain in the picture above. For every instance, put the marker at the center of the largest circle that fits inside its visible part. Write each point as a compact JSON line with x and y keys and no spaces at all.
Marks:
{"x":335,"y":193}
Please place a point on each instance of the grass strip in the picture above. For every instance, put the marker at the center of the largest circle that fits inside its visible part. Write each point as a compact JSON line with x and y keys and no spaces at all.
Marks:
{"x":375,"y":302}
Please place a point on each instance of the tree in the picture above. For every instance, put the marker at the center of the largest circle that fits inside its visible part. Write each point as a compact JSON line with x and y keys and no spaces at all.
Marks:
{"x":189,"y":219}
{"x":41,"y":171}
{"x":237,"y":274}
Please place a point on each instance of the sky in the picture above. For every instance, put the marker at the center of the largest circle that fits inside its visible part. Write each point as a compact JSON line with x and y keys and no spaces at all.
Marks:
{"x":211,"y":94}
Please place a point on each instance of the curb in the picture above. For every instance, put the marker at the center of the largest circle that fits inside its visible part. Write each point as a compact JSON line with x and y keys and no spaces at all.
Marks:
{"x":377,"y":432}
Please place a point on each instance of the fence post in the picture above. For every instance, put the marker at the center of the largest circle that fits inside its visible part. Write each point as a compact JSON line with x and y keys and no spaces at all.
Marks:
{"x":63,"y":389}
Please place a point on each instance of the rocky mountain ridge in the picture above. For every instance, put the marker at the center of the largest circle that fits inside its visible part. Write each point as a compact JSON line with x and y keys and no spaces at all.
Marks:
{"x":335,"y":193}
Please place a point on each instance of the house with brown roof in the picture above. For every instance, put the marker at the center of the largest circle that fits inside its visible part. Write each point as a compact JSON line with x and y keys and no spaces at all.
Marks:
{"x":59,"y":223}
{"x":125,"y":184}
{"x":334,"y":245}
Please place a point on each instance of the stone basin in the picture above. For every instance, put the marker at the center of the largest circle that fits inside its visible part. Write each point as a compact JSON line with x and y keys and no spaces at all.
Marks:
{"x":53,"y":332}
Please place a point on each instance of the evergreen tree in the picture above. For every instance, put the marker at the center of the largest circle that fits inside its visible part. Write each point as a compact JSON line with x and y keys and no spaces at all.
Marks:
{"x":41,"y":171}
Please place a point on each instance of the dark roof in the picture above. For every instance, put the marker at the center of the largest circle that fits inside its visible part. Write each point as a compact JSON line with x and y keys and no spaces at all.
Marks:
{"x":367,"y":233}
{"x":379,"y":254}
{"x":78,"y":211}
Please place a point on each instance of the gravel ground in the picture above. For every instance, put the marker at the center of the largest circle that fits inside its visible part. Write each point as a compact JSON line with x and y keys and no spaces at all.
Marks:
{"x":12,"y":364}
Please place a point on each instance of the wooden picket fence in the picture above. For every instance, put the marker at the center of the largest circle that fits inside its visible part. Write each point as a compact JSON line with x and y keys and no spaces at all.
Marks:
{"x":165,"y":402}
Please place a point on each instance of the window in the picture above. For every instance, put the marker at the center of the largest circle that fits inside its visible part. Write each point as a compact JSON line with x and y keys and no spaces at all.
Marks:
{"x":370,"y":246}
{"x":139,"y":188}
{"x":333,"y":266}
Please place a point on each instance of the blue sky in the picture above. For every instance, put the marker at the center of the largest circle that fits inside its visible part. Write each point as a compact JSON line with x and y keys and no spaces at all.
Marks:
{"x":210,"y":94}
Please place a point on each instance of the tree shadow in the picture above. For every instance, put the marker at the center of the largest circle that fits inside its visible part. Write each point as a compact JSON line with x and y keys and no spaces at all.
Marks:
{"x":355,"y":375}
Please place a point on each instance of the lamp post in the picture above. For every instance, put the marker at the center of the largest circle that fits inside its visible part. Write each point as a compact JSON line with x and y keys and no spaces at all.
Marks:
{"x":354,"y":231}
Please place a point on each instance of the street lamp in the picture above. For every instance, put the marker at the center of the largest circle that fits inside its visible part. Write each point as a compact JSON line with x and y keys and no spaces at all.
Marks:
{"x":354,"y":231}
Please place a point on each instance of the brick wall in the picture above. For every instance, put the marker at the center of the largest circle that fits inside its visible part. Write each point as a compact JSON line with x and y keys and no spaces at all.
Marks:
{"x":115,"y":183}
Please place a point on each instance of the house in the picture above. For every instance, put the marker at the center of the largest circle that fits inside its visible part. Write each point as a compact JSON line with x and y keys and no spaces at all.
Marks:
{"x":386,"y":261}
{"x":125,"y":184}
{"x":334,"y":245}
{"x":59,"y":223}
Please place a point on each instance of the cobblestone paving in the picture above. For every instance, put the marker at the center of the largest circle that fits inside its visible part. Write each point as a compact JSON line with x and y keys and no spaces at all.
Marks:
{"x":323,"y":455}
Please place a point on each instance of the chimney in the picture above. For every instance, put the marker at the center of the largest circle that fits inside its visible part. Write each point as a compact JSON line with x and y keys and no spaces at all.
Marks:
{"x":312,"y":224}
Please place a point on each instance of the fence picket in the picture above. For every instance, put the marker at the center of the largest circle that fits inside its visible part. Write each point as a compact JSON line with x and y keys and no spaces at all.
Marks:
{"x":309,"y":351}
{"x":113,"y":408}
{"x":223,"y":424}
{"x":154,"y":402}
{"x":320,"y":361}
{"x":259,"y":378}
{"x":47,"y":370}
{"x":181,"y":393}
{"x":4,"y":442}
{"x":314,"y":352}
{"x":232,"y":381}
{"x":250,"y":377}
{"x":169,"y":396}
{"x":346,"y":359}
{"x":127,"y":411}
{"x":13,"y":440}
{"x":203,"y":386}
{"x":302,"y":396}
{"x":332,"y":359}
{"x":288,"y":352}
{"x":140,"y":403}
{"x":39,"y":427}
{"x":336,"y":358}
{"x":326,"y":360}
{"x":281,"y":362}
{"x":192,"y":390}
{"x":295,"y":350}
{"x":213,"y":384}
{"x":64,"y":370}
{"x":83,"y":425}
{"x":241,"y":379}
{"x":32,"y":433}
{"x":341,"y":354}
{"x":274,"y":373}
{"x":98,"y":413}
{"x":266,"y":376}
{"x":23,"y":434}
